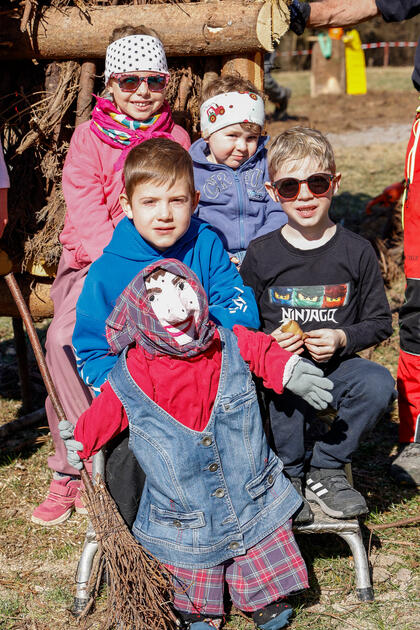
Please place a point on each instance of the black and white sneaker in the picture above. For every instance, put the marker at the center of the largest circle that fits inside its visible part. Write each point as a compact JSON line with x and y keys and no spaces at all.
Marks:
{"x":303,"y":514}
{"x":330,"y":489}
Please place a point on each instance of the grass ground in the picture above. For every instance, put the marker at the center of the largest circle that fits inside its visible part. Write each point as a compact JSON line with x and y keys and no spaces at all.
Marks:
{"x":37,"y":565}
{"x":391,"y":79}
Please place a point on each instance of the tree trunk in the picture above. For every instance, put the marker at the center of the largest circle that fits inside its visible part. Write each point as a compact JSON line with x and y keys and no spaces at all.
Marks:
{"x":52,"y":80}
{"x":86,"y":88}
{"x":184,"y":90}
{"x":186,"y":30}
{"x":249,"y":66}
{"x":211,"y":70}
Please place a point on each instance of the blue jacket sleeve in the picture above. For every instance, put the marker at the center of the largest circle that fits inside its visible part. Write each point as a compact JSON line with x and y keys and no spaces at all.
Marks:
{"x":398,"y":10}
{"x":230,"y":301}
{"x":91,"y":348}
{"x":93,"y":364}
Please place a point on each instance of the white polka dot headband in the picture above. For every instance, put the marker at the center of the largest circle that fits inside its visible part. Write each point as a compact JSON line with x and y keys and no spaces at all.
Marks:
{"x":231,"y":108}
{"x":135,"y":53}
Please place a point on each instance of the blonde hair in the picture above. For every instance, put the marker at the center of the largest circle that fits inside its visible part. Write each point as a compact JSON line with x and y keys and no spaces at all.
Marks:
{"x":128,"y":30}
{"x":232,"y":83}
{"x":298,"y":143}
{"x":160,"y":160}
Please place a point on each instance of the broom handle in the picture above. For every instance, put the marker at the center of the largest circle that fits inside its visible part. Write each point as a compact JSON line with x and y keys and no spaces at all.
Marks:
{"x":39,"y":354}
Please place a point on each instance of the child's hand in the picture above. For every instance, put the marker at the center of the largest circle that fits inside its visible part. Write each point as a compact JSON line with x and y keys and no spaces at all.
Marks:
{"x":323,"y":343}
{"x":236,"y":262}
{"x":288,"y":341}
{"x":66,"y":433}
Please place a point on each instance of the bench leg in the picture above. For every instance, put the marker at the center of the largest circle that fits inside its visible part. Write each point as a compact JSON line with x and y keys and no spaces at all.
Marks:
{"x":364,"y":587}
{"x":90,"y":548}
{"x":83,"y":572}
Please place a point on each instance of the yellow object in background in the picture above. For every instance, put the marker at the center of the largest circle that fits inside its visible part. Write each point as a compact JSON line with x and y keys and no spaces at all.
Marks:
{"x":41,"y":269}
{"x":355,"y":63}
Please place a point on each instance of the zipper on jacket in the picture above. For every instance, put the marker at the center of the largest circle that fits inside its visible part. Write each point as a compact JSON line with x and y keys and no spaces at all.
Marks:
{"x":241,"y":210}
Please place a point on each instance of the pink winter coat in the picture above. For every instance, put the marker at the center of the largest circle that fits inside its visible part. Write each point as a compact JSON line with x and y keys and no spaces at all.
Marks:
{"x":91,"y":190}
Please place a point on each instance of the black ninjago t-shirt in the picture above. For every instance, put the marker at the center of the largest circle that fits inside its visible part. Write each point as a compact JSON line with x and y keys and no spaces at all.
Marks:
{"x":337,"y":285}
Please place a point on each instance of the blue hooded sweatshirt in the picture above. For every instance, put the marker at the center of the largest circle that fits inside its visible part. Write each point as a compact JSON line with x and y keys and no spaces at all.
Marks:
{"x":235,"y":201}
{"x":230,"y":301}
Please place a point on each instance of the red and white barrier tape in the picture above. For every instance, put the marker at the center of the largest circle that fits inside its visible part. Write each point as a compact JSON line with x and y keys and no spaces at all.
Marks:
{"x":390,"y":45}
{"x":293,"y":53}
{"x":371,"y":45}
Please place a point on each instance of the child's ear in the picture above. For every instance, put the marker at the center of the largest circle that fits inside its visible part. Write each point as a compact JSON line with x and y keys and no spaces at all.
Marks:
{"x":272,"y":191}
{"x":195,"y":200}
{"x":337,"y":182}
{"x":125,"y":205}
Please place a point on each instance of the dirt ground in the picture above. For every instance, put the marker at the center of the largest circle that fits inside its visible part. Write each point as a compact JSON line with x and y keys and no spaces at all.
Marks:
{"x":346,"y":113}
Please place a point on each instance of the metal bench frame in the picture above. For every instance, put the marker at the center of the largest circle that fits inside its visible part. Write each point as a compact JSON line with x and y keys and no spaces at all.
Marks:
{"x":349,"y":530}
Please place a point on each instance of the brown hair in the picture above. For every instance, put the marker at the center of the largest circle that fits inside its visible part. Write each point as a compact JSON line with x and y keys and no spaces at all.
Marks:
{"x":232,"y":83}
{"x":159,"y":160}
{"x":155,"y":274}
{"x":298,"y":143}
{"x":127,"y":30}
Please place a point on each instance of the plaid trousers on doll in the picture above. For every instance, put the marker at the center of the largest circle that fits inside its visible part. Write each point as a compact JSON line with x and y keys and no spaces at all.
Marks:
{"x":268,"y":571}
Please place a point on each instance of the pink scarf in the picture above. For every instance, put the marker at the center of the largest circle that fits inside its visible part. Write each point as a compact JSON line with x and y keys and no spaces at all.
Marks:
{"x":128,"y":133}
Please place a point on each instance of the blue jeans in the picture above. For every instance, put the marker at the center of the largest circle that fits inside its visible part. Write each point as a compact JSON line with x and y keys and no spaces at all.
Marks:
{"x":362,"y":392}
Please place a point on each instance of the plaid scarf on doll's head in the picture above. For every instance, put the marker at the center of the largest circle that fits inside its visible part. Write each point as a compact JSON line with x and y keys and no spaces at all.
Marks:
{"x":133,"y":318}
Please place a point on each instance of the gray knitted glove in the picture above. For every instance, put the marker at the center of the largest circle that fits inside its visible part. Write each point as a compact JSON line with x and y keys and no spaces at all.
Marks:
{"x":66,"y":433}
{"x":308,"y":382}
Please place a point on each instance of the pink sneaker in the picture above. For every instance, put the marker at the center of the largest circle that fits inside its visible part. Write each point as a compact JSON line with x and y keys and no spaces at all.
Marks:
{"x":59,"y":503}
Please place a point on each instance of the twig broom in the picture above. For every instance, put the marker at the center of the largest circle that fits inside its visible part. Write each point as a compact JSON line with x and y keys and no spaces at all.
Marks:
{"x":140,"y":589}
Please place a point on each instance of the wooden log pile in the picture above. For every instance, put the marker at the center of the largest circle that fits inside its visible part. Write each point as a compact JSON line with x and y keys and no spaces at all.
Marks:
{"x":52,"y":59}
{"x":186,"y":29}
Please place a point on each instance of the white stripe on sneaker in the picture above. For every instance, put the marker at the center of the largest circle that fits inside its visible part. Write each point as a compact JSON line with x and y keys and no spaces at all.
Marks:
{"x":316,"y":486}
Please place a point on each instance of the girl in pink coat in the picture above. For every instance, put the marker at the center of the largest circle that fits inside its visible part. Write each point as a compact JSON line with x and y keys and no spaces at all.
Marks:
{"x":134,"y":109}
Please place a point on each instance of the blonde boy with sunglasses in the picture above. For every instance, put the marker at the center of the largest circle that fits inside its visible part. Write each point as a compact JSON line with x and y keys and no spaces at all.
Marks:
{"x":328,"y":280}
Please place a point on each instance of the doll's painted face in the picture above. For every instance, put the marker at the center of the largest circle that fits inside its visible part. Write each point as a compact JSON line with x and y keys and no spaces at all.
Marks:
{"x":174,"y":303}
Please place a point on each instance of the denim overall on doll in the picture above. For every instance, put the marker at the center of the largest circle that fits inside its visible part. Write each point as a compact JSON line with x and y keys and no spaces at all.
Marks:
{"x":210,"y":495}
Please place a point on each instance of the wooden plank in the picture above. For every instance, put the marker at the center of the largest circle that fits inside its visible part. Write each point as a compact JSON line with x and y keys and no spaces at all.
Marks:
{"x":328,"y":76}
{"x":36,"y":292}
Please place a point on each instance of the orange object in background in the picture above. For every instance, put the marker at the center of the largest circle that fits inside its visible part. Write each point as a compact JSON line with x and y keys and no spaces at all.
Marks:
{"x":388,"y":196}
{"x":336,"y":33}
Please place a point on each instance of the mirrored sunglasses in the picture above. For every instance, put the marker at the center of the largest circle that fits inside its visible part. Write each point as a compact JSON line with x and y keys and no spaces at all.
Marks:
{"x":131,"y":82}
{"x":289,"y":187}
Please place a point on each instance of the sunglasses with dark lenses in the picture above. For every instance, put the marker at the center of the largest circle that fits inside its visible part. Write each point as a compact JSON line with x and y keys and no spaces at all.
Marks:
{"x":289,"y":187}
{"x":131,"y":82}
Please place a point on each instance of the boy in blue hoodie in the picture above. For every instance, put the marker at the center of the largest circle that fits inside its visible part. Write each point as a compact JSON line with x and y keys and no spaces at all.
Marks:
{"x":230,"y":165}
{"x":159,"y":199}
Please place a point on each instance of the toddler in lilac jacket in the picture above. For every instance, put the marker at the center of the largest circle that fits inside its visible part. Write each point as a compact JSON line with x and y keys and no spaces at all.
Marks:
{"x":230,"y":165}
